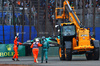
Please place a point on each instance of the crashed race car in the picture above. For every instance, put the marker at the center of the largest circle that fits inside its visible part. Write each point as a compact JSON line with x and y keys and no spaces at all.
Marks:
{"x":52,"y":41}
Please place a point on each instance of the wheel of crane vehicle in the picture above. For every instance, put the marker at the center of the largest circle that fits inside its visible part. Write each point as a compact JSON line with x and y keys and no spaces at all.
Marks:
{"x":96,"y":54}
{"x":68,"y":55}
{"x":89,"y":56}
{"x":61,"y":56}
{"x":68,"y":52}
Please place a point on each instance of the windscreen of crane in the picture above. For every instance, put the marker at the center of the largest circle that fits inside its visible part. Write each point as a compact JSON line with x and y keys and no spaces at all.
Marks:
{"x":68,"y":30}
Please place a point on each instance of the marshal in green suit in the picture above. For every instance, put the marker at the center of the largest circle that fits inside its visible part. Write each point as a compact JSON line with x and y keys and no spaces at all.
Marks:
{"x":45,"y":47}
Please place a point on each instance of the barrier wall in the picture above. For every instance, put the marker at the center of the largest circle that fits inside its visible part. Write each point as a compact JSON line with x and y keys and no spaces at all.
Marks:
{"x":97,"y":32}
{"x":9,"y":33}
{"x":6,"y":50}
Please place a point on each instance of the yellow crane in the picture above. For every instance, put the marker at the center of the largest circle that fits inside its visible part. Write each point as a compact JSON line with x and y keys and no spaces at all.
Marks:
{"x":74,"y":38}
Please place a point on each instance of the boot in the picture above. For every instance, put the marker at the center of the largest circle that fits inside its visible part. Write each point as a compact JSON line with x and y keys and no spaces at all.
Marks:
{"x":36,"y":61}
{"x":46,"y":61}
{"x":17,"y":60}
{"x":13,"y":59}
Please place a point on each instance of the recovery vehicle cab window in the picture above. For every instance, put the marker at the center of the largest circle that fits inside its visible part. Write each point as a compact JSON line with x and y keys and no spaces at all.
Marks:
{"x":68,"y":30}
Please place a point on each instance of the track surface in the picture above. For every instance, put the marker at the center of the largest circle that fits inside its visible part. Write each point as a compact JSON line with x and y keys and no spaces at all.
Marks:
{"x":53,"y":61}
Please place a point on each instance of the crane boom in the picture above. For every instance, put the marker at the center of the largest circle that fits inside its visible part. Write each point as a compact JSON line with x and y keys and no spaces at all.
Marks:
{"x":73,"y":15}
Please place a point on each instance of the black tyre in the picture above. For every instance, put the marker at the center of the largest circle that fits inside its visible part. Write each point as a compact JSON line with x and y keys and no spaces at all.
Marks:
{"x":96,"y":54}
{"x":89,"y":56}
{"x":68,"y":50}
{"x":96,"y":50}
{"x":61,"y":54}
{"x":68,"y":55}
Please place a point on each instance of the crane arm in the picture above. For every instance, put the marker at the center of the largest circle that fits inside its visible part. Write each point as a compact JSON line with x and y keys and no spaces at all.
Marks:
{"x":72,"y":15}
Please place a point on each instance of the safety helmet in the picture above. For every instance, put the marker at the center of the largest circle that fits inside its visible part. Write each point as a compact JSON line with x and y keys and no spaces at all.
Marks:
{"x":36,"y":39}
{"x":16,"y":37}
{"x":43,"y":37}
{"x":58,"y":37}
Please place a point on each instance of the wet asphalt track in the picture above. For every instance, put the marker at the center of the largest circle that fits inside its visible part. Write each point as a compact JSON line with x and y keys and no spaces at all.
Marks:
{"x":53,"y":61}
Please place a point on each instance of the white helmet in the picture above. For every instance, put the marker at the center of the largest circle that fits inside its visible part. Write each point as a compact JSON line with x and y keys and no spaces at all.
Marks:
{"x":15,"y":37}
{"x":37,"y":39}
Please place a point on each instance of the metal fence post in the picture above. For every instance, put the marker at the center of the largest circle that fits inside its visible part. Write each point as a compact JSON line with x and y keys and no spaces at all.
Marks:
{"x":30,"y":21}
{"x":83,"y":13}
{"x":38,"y":18}
{"x":3,"y":22}
{"x":23,"y":12}
{"x":46,"y":20}
{"x":94,"y":1}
